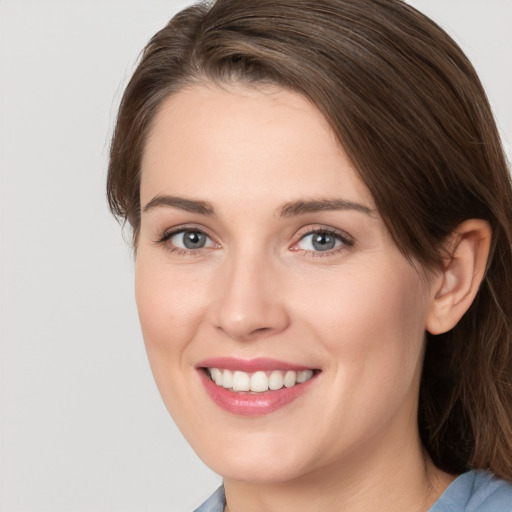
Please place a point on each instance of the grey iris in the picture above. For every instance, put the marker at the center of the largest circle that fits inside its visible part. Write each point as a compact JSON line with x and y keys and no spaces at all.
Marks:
{"x":193,"y":239}
{"x":323,"y":241}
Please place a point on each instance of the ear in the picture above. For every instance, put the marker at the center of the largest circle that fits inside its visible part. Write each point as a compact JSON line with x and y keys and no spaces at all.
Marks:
{"x":455,"y":286}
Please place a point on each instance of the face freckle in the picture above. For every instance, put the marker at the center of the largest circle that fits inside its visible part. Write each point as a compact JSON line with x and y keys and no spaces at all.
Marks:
{"x":295,"y":270}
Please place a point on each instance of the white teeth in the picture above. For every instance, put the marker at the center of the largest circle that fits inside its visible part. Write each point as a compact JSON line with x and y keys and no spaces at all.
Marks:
{"x":260,"y":381}
{"x":290,"y":378}
{"x":216,"y":376}
{"x":275,"y":381}
{"x":240,"y":381}
{"x":227,"y":379}
{"x":302,"y":376}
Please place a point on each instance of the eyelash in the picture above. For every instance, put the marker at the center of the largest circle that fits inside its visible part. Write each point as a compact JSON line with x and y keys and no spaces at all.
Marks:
{"x":167,"y":235}
{"x":346,"y":242}
{"x":344,"y":238}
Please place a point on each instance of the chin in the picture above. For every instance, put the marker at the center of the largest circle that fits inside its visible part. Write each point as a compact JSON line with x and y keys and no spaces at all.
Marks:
{"x":249,"y":459}
{"x":256,"y":471}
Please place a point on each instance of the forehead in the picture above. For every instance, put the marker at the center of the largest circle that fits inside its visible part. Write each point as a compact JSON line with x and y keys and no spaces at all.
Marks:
{"x":242,"y":139}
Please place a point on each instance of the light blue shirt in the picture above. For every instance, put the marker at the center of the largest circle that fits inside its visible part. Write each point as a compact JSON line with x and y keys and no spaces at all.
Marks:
{"x":475,"y":491}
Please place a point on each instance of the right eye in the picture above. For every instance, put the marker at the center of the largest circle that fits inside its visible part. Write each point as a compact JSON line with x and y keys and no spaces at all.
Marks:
{"x":188,"y":240}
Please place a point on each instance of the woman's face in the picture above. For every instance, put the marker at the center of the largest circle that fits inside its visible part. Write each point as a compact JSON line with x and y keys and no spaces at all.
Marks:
{"x":262,"y":260}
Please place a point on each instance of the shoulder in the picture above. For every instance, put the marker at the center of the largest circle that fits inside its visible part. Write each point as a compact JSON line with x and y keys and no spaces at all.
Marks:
{"x":215,"y":503}
{"x":476,"y":491}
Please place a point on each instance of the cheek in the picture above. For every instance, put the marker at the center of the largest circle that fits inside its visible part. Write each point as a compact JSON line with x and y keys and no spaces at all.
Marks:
{"x":389,"y":320}
{"x":372,"y":324}
{"x":383,"y":312}
{"x":169,"y":308}
{"x":386,"y":300}
{"x":167,"y":302}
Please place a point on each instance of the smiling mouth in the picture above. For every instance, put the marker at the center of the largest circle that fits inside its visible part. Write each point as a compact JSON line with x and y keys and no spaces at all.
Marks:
{"x":255,"y":387}
{"x":258,"y":381}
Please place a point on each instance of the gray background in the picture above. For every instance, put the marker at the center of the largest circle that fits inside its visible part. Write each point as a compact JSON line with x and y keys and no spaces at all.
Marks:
{"x":82,"y":425}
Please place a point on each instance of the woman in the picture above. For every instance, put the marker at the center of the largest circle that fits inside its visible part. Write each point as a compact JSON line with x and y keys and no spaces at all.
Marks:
{"x":322,"y":220}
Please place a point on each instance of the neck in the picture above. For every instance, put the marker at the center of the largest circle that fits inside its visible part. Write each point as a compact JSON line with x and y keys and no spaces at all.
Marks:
{"x":399,"y":477}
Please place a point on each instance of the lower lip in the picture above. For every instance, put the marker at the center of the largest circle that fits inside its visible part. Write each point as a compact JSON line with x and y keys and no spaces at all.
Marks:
{"x":245,"y":403}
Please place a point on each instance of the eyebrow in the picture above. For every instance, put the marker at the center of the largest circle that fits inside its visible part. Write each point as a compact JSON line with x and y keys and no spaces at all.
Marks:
{"x":301,"y":207}
{"x":189,"y":205}
{"x":290,"y":209}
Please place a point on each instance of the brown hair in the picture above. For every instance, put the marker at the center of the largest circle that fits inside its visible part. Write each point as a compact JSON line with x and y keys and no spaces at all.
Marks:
{"x":410,"y":111}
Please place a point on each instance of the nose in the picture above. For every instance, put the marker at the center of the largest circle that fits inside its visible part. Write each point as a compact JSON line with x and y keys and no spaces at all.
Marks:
{"x":250,"y":300}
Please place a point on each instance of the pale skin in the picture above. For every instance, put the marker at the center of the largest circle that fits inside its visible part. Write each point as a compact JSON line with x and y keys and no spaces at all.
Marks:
{"x":257,"y":172}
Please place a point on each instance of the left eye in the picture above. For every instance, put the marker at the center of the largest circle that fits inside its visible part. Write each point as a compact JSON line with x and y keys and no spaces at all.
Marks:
{"x":320,"y":241}
{"x":191,"y":239}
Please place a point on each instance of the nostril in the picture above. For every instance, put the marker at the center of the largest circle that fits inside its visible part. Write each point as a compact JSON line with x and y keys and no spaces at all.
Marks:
{"x":260,"y":330}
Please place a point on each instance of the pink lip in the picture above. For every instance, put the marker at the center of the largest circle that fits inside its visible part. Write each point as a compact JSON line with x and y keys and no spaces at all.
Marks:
{"x":245,"y":403}
{"x":249,"y":365}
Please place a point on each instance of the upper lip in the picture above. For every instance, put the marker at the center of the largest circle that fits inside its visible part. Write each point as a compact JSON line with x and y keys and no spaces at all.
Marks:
{"x":250,"y":365}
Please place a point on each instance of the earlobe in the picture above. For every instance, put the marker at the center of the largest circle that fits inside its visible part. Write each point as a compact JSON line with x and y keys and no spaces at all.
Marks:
{"x":455,"y":286}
